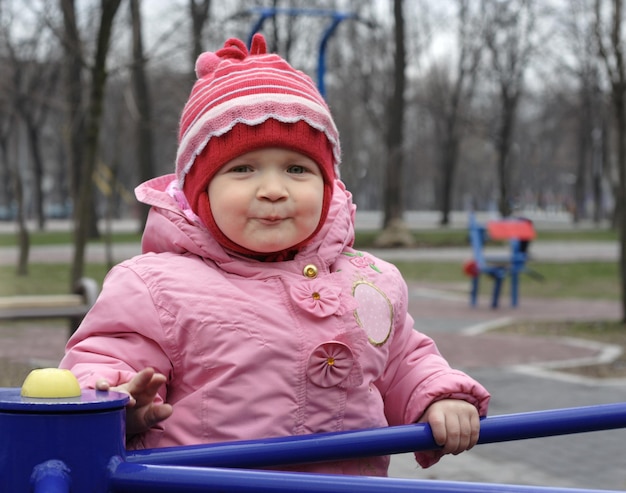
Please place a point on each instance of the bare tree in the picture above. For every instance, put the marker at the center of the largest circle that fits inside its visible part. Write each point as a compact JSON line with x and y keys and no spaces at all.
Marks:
{"x":28,"y":89}
{"x":32,"y":83}
{"x":73,"y":83}
{"x":508,"y":29}
{"x":395,"y":232}
{"x":84,"y":218}
{"x":143,"y":106}
{"x":448,"y":97}
{"x":199,"y":11}
{"x":610,"y":44}
{"x":590,"y":111}
{"x":14,"y":179}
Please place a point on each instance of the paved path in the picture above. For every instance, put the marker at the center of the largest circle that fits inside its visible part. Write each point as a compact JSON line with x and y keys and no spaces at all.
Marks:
{"x":519,"y":372}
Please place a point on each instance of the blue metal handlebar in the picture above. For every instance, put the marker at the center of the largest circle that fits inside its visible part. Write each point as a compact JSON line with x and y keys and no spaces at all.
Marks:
{"x":382,"y":441}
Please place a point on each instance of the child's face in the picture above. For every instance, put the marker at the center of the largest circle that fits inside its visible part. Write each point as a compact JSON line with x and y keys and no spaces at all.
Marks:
{"x":267,"y":200}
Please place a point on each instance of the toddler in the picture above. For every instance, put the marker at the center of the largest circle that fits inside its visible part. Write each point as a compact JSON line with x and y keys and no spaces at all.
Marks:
{"x":249,"y":313}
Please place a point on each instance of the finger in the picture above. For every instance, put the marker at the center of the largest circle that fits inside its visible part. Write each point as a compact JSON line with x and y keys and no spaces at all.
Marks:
{"x":453,"y":435}
{"x":469,"y":426}
{"x":475,"y":430}
{"x":145,"y":418}
{"x":103,"y":385}
{"x":468,"y":434}
{"x":136,"y":387}
{"x":139,"y":382}
{"x":155,"y":383}
{"x":438,"y":429}
{"x":155,"y":414}
{"x":146,"y":395}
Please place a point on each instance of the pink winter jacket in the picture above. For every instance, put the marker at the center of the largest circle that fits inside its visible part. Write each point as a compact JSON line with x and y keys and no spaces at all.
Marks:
{"x":251,"y":349}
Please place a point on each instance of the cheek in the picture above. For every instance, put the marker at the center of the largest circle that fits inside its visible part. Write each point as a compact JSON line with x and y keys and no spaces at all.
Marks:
{"x":315,"y":202}
{"x":222,"y":200}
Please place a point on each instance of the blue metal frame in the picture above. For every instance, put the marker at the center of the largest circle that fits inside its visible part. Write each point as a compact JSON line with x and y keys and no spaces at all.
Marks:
{"x":77,"y":445}
{"x":336,"y":18}
{"x":162,"y":479}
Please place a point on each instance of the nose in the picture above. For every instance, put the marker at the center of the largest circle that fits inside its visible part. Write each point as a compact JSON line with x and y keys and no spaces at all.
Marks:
{"x":272,"y":187}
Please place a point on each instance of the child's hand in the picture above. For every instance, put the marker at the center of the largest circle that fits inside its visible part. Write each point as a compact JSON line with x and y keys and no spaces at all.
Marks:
{"x":455,"y":425}
{"x":141,"y":412}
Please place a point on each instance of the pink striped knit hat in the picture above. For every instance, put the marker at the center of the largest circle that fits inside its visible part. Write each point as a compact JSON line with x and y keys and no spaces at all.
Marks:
{"x":246,"y":101}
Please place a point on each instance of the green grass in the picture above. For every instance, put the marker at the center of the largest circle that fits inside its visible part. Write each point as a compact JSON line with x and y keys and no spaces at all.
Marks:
{"x":44,"y":279}
{"x":63,"y":238}
{"x":589,"y":280}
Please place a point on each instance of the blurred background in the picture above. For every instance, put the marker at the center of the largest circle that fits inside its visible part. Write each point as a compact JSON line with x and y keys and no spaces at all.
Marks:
{"x":504,"y":106}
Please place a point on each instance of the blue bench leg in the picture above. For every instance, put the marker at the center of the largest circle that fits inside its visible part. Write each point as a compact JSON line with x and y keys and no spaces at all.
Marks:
{"x":474,"y":291}
{"x":514,"y":289}
{"x":497,"y":285}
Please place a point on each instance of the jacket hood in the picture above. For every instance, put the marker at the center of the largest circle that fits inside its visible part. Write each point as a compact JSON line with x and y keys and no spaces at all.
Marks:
{"x":171,"y":228}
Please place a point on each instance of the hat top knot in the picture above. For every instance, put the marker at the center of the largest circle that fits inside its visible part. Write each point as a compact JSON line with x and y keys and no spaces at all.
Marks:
{"x":234,"y":49}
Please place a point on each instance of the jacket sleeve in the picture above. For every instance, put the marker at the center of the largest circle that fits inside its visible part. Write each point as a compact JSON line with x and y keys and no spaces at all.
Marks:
{"x":121,"y":334}
{"x":418,"y":375}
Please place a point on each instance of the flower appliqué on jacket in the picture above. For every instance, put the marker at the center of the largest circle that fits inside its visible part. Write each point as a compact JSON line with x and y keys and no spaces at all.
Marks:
{"x":319,"y":298}
{"x":336,"y":362}
{"x":362,"y":260}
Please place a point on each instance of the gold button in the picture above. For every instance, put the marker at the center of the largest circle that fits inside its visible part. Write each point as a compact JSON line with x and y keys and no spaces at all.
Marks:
{"x":310,"y":271}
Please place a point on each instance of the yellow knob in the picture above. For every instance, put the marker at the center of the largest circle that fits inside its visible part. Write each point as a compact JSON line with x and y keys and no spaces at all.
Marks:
{"x":310,"y":271}
{"x":50,"y":383}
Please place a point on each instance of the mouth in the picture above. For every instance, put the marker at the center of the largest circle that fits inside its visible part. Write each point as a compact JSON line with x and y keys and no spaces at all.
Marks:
{"x":270,"y":220}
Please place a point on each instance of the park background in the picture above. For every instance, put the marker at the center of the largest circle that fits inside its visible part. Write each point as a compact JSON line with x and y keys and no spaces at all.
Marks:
{"x":456,"y":105}
{"x":498,"y":107}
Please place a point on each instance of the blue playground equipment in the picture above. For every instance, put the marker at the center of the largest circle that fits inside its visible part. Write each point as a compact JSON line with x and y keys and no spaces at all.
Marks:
{"x":335,"y":17}
{"x":76,"y":444}
{"x":517,"y":232}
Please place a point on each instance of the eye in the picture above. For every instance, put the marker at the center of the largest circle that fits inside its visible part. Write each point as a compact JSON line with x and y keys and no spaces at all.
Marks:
{"x":240,"y":168}
{"x":297,"y":169}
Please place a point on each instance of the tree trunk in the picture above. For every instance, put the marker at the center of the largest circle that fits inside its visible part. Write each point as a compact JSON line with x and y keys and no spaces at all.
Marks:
{"x":585,"y":146}
{"x":613,"y":58}
{"x":199,"y":11}
{"x":619,"y":105}
{"x":393,"y":197}
{"x":619,"y":102}
{"x":73,"y":98}
{"x":142,"y":100}
{"x":32,"y":133}
{"x":84,"y":216}
{"x":395,"y":232}
{"x":600,"y":143}
{"x":505,"y":135}
{"x":23,"y":237}
{"x":449,"y":154}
